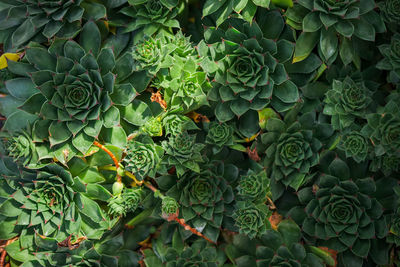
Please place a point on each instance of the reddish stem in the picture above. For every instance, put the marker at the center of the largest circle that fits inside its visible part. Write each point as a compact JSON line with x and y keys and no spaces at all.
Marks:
{"x":194,"y":231}
{"x":116,"y":163}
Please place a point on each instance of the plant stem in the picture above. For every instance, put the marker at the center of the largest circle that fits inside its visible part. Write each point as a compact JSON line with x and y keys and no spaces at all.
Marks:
{"x":116,"y":163}
{"x":194,"y":231}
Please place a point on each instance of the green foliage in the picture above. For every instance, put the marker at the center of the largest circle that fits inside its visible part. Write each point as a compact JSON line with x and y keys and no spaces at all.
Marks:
{"x":292,"y":151}
{"x":346,"y":101}
{"x":42,"y":20}
{"x":199,"y":133}
{"x":183,"y":153}
{"x":331,"y":24}
{"x":274,"y":248}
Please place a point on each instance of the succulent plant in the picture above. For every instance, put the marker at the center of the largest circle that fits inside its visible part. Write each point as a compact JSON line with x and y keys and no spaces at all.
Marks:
{"x":21,"y":147}
{"x":249,"y":74}
{"x":199,"y":253}
{"x":153,"y":127}
{"x":253,"y":186}
{"x":252,"y":220}
{"x":390,"y":11}
{"x":49,"y":202}
{"x":73,"y":90}
{"x":127,"y":201}
{"x":332,"y":25}
{"x":292,"y":151}
{"x":149,"y":53}
{"x":169,"y":207}
{"x":147,"y":17}
{"x":222,"y":10}
{"x":387,"y":164}
{"x":182,"y":152}
{"x":276,"y":248}
{"x":391,"y":60}
{"x":219,"y":135}
{"x":355,"y":145}
{"x":109,"y":251}
{"x":383,"y":129}
{"x":42,"y":20}
{"x":206,"y":198}
{"x":174,"y":124}
{"x":346,"y":101}
{"x":342,"y":214}
{"x":142,"y":157}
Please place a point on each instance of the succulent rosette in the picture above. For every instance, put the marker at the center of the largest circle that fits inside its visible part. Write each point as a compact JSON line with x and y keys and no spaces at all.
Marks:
{"x":148,"y":53}
{"x":391,"y":60}
{"x":39,"y":21}
{"x":387,"y":164}
{"x":199,"y":253}
{"x":334,"y":26}
{"x":109,"y":251}
{"x":346,"y":101}
{"x":20,"y":147}
{"x":254,"y":186}
{"x":127,"y":201}
{"x":182,"y":152}
{"x":342,"y":214}
{"x":174,"y":124}
{"x":291,"y":151}
{"x":276,"y":248}
{"x":383,"y":129}
{"x":252,"y":220}
{"x":355,"y":145}
{"x":142,"y":157}
{"x":206,"y":198}
{"x":390,"y":11}
{"x":49,"y":202}
{"x":249,"y":73}
{"x":169,"y":207}
{"x":147,"y":17}
{"x":153,"y":127}
{"x":72,"y":88}
{"x":219,"y":135}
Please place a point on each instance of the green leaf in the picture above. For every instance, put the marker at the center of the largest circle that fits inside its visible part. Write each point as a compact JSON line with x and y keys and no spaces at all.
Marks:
{"x":304,"y":45}
{"x":136,"y":113}
{"x":346,"y":50}
{"x":58,"y":133}
{"x":90,"y":208}
{"x":93,"y":11}
{"x":82,"y":142}
{"x":96,"y":191}
{"x":263,"y":3}
{"x":311,"y":22}
{"x":248,"y":123}
{"x":41,"y":59}
{"x":111,"y":117}
{"x":115,"y":136}
{"x":328,"y":43}
{"x":21,"y":88}
{"x":90,"y":38}
{"x":123,"y":94}
{"x":287,"y":92}
{"x":18,"y":120}
{"x":33,"y":104}
{"x":290,"y":232}
{"x":238,"y":5}
{"x":364,"y":30}
{"x":24,"y":33}
{"x":91,"y":176}
{"x":10,"y":208}
{"x":223,"y":112}
{"x":210,"y":6}
{"x":345,"y":28}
